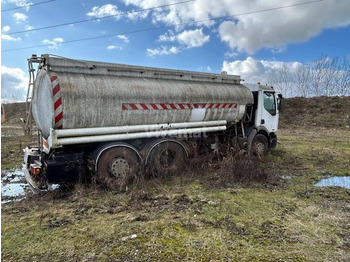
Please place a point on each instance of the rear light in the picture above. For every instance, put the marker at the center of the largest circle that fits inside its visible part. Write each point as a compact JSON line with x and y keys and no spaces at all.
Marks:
{"x":35,"y":169}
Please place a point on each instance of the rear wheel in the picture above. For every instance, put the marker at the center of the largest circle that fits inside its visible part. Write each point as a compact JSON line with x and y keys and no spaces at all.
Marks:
{"x":167,"y":158}
{"x":117,"y":168}
{"x":259,"y":145}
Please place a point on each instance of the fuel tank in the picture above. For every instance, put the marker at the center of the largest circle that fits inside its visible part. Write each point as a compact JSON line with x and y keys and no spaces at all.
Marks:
{"x":72,"y":94}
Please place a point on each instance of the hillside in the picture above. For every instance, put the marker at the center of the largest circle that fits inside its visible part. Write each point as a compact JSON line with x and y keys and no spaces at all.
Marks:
{"x":13,"y":112}
{"x":327,"y":112}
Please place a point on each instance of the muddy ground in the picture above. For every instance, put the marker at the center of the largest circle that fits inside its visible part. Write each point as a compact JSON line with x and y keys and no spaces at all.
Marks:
{"x":234,"y":210}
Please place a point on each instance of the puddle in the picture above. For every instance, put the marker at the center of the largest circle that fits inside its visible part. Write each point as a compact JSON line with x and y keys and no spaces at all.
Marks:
{"x":340,"y":181}
{"x":11,"y":190}
{"x":13,"y":186}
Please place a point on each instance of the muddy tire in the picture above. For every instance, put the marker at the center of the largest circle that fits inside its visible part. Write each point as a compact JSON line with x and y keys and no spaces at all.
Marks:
{"x":117,"y":168}
{"x":166,"y":159}
{"x":259,"y":146}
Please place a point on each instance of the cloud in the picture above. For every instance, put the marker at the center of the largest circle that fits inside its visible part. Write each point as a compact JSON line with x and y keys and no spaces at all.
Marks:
{"x":124,"y":38}
{"x":19,"y":3}
{"x":163,"y":50}
{"x":253,"y":70}
{"x":28,"y":27}
{"x":53,"y":44}
{"x":112,"y":47}
{"x":6,"y":28}
{"x":14,"y":83}
{"x":167,"y":37}
{"x":112,"y":10}
{"x":249,"y":33}
{"x":10,"y":38}
{"x":134,"y":16}
{"x":105,"y":10}
{"x":19,"y":17}
{"x":183,"y":13}
{"x":278,"y":28}
{"x":231,"y":54}
{"x":186,"y":39}
{"x":193,"y":38}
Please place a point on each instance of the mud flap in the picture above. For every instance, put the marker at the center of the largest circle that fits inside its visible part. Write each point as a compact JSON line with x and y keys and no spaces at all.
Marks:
{"x":251,"y":138}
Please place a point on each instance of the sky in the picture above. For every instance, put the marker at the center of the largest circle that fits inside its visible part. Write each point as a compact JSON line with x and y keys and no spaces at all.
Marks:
{"x":248,"y":38}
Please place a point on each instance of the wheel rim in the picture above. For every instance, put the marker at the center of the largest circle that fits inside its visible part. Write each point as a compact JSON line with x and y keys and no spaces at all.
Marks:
{"x":167,"y":158}
{"x":120,"y":168}
{"x":259,"y":148}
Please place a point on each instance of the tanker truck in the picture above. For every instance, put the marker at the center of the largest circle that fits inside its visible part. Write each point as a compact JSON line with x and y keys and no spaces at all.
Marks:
{"x":115,"y":121}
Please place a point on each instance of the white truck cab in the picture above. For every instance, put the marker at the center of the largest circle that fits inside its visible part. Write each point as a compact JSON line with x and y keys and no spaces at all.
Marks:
{"x":266,"y":109}
{"x":267,"y":106}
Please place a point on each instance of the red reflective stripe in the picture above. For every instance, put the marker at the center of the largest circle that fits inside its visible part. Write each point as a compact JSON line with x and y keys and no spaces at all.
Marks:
{"x":53,"y":78}
{"x":58,"y":117}
{"x":60,"y":127}
{"x":56,"y":89}
{"x":133,"y":106}
{"x":154,"y":106}
{"x":144,"y":106}
{"x":167,"y":106}
{"x":57,"y":103}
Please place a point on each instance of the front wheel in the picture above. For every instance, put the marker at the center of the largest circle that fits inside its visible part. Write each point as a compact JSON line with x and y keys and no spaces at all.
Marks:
{"x":259,"y":145}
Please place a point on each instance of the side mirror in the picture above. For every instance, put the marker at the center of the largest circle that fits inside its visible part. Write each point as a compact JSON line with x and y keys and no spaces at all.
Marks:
{"x":279,"y":102}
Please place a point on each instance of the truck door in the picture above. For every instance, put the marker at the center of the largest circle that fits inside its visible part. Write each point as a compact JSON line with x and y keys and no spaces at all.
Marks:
{"x":269,"y":111}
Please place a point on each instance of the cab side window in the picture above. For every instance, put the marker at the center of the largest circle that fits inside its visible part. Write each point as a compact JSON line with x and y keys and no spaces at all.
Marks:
{"x":269,"y":102}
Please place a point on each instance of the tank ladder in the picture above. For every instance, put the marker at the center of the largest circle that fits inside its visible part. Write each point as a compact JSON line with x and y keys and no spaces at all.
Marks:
{"x":27,"y":122}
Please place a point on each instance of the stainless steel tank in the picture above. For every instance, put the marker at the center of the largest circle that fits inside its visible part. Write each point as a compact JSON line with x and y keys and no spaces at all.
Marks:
{"x":72,"y":94}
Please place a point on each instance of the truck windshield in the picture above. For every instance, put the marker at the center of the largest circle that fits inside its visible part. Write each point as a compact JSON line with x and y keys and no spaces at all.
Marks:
{"x":269,"y":102}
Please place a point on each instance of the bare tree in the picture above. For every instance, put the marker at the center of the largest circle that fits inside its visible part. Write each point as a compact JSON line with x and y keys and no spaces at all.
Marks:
{"x":342,"y":81}
{"x":302,"y":80}
{"x":325,"y":76}
{"x":282,"y":80}
{"x":318,"y":74}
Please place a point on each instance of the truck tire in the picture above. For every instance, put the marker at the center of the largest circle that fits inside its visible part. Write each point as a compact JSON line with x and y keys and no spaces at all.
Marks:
{"x":260,"y":145}
{"x":117,"y":168}
{"x":167,"y":158}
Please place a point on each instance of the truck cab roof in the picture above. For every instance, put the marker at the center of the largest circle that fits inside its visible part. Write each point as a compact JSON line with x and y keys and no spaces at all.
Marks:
{"x":258,"y":87}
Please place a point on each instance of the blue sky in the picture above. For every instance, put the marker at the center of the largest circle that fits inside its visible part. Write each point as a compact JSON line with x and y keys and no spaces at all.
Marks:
{"x":251,"y":45}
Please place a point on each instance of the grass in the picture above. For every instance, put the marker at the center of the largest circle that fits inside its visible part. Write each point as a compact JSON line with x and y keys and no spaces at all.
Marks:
{"x":190,"y":217}
{"x":12,"y":143}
